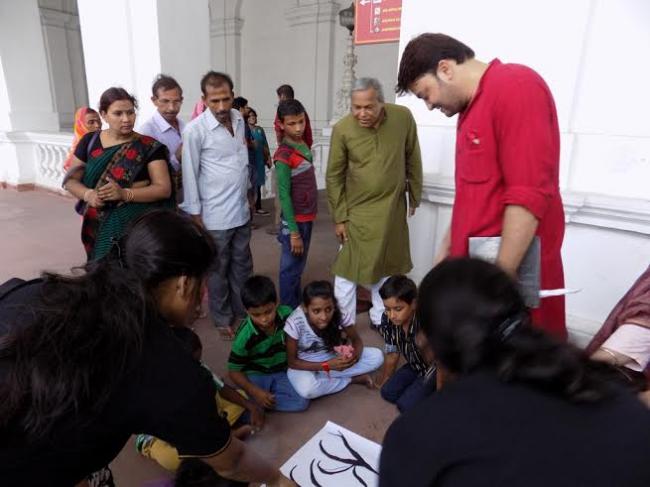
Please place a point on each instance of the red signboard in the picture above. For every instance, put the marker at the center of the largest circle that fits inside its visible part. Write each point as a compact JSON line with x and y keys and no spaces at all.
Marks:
{"x":377,"y":21}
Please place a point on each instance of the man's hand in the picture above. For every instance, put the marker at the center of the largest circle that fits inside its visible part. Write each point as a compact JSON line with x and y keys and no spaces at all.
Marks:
{"x":263,"y":398}
{"x":445,"y":248}
{"x":197,"y":219}
{"x":519,"y":226}
{"x":341,"y":232}
{"x":412,"y":210}
{"x":297,"y":246}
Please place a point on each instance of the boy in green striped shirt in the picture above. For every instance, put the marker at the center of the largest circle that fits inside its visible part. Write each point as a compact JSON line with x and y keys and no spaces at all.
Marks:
{"x":258,"y":359}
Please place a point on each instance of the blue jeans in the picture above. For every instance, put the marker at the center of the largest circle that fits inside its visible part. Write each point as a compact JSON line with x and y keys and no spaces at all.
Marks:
{"x":292,"y":266}
{"x":405,"y":388}
{"x":286,"y":397}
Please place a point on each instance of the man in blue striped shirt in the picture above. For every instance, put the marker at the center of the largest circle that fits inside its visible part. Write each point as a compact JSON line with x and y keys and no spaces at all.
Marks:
{"x":215,"y":184}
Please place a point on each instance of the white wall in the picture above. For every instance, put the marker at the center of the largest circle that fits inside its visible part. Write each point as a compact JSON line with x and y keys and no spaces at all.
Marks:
{"x":296,"y":42}
{"x":146,"y":38}
{"x":589,"y":52}
{"x":26,"y":101}
{"x":188,"y":60}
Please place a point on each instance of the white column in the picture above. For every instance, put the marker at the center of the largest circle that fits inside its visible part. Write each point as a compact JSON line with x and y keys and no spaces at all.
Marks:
{"x":65,"y":60}
{"x":25,"y":95}
{"x":128,"y":43}
{"x":313,"y":24}
{"x":184,"y":32}
{"x":26,"y":101}
{"x":225,"y":39}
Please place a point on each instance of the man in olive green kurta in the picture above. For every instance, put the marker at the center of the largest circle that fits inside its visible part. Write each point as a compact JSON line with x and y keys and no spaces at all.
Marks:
{"x":374,"y":166}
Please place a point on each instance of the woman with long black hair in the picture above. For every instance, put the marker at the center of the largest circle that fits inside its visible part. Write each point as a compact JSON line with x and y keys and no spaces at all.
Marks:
{"x":89,"y":359}
{"x":517,"y":408}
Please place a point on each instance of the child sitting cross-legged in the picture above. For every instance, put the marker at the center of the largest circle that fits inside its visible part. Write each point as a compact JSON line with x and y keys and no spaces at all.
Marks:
{"x":238,"y":410}
{"x":258,"y":359}
{"x":325,"y":357}
{"x":399,"y":328}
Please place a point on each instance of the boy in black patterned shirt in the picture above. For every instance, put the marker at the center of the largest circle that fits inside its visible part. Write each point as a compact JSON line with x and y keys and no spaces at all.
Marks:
{"x":399,"y":328}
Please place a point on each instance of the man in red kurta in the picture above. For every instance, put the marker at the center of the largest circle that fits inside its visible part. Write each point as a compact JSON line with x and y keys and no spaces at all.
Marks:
{"x":507,"y":157}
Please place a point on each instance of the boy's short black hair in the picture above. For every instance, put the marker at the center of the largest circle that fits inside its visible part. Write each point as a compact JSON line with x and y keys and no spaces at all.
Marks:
{"x":239,"y":102}
{"x":285,"y":90}
{"x":399,"y":287}
{"x":190,"y":340}
{"x":289,"y":107}
{"x":258,"y":291}
{"x":194,"y":472}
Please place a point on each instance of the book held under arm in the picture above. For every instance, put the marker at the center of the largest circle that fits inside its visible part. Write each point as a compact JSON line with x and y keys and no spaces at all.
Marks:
{"x":529,"y":271}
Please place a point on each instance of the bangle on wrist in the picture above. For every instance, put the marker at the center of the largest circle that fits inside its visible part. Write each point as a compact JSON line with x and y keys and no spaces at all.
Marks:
{"x":86,"y":193}
{"x":129,"y":195}
{"x":295,"y":237}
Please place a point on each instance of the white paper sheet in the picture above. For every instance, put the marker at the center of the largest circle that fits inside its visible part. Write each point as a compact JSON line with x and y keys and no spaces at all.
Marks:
{"x":358,"y":467}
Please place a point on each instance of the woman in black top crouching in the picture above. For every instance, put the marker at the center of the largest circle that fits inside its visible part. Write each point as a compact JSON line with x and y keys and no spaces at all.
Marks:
{"x":517,"y":407}
{"x":89,"y":359}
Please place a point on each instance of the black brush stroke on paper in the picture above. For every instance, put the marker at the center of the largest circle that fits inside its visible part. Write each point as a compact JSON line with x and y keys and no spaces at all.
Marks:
{"x":312,"y":476}
{"x":357,"y":461}
{"x":291,"y":475}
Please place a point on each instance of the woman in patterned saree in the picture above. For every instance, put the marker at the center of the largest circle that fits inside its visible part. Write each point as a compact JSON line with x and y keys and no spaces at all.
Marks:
{"x":117,"y":175}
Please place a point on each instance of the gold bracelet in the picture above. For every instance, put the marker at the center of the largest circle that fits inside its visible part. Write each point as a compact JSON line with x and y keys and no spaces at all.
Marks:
{"x":295,"y":237}
{"x":129,"y":195}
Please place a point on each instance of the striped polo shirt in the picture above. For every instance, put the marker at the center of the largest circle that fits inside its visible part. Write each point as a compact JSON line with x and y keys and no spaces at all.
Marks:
{"x":396,"y":341}
{"x":255,"y":352}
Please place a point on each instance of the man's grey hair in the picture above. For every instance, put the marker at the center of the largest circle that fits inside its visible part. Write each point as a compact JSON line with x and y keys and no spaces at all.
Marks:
{"x":363,"y":84}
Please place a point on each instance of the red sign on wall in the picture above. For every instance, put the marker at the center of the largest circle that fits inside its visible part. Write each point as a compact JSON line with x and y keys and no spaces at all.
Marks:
{"x":377,"y":21}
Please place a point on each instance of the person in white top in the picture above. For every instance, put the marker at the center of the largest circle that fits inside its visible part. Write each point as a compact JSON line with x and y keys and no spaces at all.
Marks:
{"x":165,"y":126}
{"x":320,"y":361}
{"x":215,"y":182}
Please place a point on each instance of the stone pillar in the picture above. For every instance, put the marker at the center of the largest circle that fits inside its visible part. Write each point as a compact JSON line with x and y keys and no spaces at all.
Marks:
{"x":225,"y":39}
{"x":26,"y":101}
{"x":313,"y":24}
{"x":147,"y":37}
{"x":65,"y":60}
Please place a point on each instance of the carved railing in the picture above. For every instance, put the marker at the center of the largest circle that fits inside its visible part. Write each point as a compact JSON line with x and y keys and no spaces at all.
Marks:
{"x":42,"y":155}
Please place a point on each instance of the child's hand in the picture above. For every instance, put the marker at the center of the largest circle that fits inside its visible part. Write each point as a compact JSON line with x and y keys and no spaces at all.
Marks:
{"x":264,"y":398}
{"x":341,"y":363}
{"x":297,"y":247}
{"x":257,"y":418}
{"x":345,"y":351}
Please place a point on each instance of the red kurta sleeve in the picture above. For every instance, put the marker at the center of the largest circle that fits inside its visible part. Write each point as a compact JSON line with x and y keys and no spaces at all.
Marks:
{"x":528,"y":151}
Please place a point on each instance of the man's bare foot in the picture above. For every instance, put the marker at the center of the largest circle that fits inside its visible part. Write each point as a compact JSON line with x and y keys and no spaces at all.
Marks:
{"x":365,"y":379}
